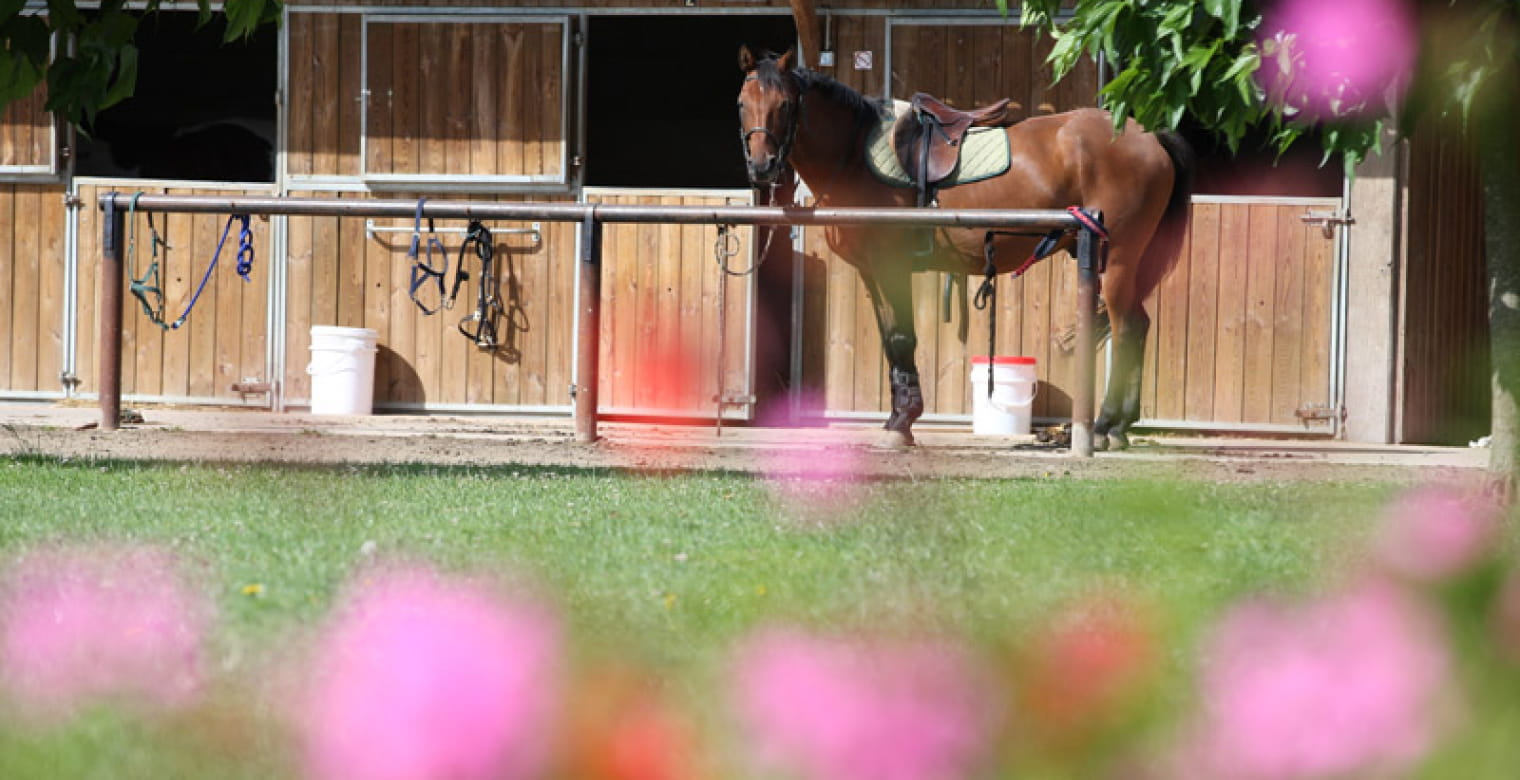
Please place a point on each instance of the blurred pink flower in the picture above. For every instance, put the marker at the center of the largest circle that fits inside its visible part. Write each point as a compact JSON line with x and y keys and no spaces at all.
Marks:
{"x":816,"y":477}
{"x":1349,"y":685}
{"x":418,"y":677}
{"x":1335,"y":59}
{"x":842,"y":709}
{"x":1434,"y":533}
{"x":87,"y":623}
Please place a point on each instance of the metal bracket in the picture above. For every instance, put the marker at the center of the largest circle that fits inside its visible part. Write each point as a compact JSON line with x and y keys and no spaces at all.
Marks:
{"x":71,"y":200}
{"x":1319,"y":415}
{"x":251,"y":385}
{"x":1327,"y":220}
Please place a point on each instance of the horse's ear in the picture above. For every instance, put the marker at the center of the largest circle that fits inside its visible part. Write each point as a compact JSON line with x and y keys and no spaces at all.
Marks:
{"x":788,"y":60}
{"x":746,"y":59}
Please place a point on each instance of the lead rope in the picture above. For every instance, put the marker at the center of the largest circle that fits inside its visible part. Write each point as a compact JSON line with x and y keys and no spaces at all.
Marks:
{"x":986,"y":294}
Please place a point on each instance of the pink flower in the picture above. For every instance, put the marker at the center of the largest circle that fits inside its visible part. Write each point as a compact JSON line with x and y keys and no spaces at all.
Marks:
{"x":1332,"y":59}
{"x":418,"y":677}
{"x":1344,"y":686}
{"x":816,"y":476}
{"x":842,"y":709}
{"x":79,"y":624}
{"x":1433,"y":533}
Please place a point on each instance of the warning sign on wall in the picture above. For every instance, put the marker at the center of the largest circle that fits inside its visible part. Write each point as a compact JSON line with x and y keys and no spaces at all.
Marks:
{"x":863,"y":60}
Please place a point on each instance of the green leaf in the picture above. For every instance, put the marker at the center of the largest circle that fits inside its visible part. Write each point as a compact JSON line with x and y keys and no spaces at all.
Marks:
{"x":126,"y":78}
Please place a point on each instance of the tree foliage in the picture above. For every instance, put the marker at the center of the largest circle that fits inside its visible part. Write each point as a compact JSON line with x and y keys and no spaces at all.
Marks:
{"x":1206,"y":60}
{"x":86,"y":56}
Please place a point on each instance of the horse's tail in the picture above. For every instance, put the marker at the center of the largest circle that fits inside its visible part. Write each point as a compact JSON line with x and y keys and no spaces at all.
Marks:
{"x":1166,"y":245}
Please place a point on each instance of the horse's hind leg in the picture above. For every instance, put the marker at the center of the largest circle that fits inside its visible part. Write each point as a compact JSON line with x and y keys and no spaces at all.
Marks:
{"x":1121,"y":403}
{"x":893,"y":296}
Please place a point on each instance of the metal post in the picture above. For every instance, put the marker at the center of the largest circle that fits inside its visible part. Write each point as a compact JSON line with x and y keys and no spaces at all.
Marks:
{"x":587,"y":371}
{"x":1088,"y":247}
{"x":114,"y":229}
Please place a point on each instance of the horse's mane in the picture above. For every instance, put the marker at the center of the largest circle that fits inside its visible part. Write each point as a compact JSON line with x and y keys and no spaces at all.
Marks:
{"x":865,"y":108}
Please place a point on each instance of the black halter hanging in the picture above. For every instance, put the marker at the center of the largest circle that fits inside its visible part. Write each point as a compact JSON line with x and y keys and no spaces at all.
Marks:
{"x":422,"y":271}
{"x":487,"y":305}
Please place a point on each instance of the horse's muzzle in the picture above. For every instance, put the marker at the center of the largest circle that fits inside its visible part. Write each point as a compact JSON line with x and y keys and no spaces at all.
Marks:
{"x":767,"y":173}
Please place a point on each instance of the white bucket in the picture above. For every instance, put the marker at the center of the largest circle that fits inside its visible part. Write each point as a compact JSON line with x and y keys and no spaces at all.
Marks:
{"x":1014,"y":384}
{"x":342,"y":369}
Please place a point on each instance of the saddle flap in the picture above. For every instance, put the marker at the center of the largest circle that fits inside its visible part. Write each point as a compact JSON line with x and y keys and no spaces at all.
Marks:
{"x":936,"y":129}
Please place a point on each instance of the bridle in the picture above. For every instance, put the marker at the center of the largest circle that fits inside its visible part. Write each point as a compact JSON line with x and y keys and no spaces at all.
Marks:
{"x":783,"y":145}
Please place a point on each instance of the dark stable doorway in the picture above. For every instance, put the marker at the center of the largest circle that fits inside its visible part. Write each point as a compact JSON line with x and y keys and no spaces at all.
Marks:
{"x":202,"y":110}
{"x":660,"y":94}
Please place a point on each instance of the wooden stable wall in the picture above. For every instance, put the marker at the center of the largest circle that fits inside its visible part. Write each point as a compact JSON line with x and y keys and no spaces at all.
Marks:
{"x":223,"y":341}
{"x":32,"y":273}
{"x":662,"y":291}
{"x":1240,"y":329}
{"x":337,"y":274}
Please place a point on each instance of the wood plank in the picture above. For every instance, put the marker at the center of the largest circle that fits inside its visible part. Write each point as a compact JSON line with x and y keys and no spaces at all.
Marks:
{"x":86,"y":278}
{"x":454,"y":354}
{"x":482,"y":115}
{"x":298,"y":293}
{"x":26,"y":271}
{"x":1261,"y":299}
{"x":298,"y":157}
{"x":350,"y":98}
{"x":1288,"y":324}
{"x":551,"y":81}
{"x":532,"y":74}
{"x":229,"y":316}
{"x":326,"y":62}
{"x":690,"y":322}
{"x":513,"y":101}
{"x":255,"y":325}
{"x":201,"y":325}
{"x":406,"y":121}
{"x":7,"y":279}
{"x":557,"y":321}
{"x":377,"y":308}
{"x":432,"y":74}
{"x":380,"y":103}
{"x":1203,"y":312}
{"x":668,"y":352}
{"x":1319,"y":272}
{"x":50,"y":309}
{"x":736,"y":332}
{"x":1171,"y":326}
{"x":403,"y":384}
{"x":457,"y":90}
{"x":1229,"y":354}
{"x":646,"y":316}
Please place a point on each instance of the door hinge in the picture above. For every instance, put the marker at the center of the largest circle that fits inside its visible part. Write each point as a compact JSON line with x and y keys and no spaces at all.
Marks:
{"x":1327,"y":220}
{"x":71,"y":200}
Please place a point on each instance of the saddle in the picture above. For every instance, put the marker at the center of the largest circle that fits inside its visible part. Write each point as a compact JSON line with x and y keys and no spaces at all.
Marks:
{"x":928,"y":141}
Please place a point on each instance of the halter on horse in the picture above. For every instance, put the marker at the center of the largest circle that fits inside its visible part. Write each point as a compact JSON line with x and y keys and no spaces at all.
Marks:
{"x":1140,"y":181}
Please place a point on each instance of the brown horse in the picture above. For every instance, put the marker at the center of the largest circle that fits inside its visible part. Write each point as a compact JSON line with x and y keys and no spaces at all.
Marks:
{"x":1140,"y":181}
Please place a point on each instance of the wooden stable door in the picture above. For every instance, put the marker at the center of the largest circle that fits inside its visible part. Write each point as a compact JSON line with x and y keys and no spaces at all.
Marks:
{"x":677,"y":331}
{"x":1242,"y":329}
{"x":225,"y":339}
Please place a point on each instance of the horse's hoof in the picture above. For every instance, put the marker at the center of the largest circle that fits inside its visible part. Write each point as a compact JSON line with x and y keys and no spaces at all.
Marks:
{"x":1100,"y":443}
{"x":897,"y":440}
{"x":1119,"y":441}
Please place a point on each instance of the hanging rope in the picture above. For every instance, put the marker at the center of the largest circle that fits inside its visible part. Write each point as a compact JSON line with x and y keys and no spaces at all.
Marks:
{"x":149,"y":286}
{"x":423,"y":271}
{"x":986,"y":294}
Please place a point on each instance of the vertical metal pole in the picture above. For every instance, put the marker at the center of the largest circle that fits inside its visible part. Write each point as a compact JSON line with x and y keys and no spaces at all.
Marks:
{"x":588,"y":375}
{"x":114,"y":228}
{"x":1087,"y":307}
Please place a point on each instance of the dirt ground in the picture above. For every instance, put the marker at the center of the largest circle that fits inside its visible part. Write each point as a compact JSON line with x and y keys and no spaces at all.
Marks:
{"x":235,"y":435}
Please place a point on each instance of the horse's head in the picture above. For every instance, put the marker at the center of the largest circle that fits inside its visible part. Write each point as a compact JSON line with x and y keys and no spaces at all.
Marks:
{"x":770,"y":103}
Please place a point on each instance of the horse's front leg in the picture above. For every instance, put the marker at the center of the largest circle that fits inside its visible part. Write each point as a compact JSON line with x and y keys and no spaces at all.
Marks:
{"x":892,"y":293}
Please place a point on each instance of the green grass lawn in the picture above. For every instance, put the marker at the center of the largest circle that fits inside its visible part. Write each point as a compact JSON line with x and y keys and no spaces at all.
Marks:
{"x":663,"y":572}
